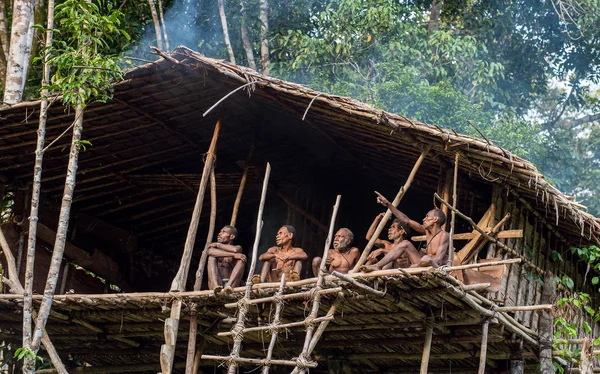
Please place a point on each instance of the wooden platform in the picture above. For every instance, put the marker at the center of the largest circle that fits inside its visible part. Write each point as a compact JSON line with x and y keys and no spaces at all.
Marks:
{"x":123,"y":332}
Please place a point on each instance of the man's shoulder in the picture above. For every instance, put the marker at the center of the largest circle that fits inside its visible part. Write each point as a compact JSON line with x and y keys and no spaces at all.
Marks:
{"x":297,"y":249}
{"x":273,"y":249}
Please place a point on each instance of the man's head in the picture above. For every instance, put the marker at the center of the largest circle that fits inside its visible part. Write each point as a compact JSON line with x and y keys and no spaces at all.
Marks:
{"x":227,"y":234}
{"x":433,"y":217}
{"x":398,"y":230}
{"x":285,"y":235}
{"x":343,"y":238}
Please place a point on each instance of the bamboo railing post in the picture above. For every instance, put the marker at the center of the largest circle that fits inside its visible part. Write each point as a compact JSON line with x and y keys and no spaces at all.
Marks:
{"x":243,"y":303}
{"x":426,"y":349}
{"x":454,"y":203}
{"x":546,"y":325}
{"x":484,"y":340}
{"x":304,"y":357}
{"x":240,"y":193}
{"x":191,"y":351}
{"x":388,"y":213}
{"x":275,"y":324}
{"x":167,"y":351}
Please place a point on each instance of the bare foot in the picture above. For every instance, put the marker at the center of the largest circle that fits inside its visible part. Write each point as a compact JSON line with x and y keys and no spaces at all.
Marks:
{"x":256,"y":279}
{"x":228,"y":289}
{"x":294,"y":276}
{"x":218,"y":289}
{"x":369,"y":268}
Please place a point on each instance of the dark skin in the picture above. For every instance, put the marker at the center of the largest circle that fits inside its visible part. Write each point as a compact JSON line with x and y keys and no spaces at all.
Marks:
{"x":341,"y":258}
{"x":225,"y":261}
{"x":282,"y":259}
{"x":437,"y":240}
{"x":395,"y":236}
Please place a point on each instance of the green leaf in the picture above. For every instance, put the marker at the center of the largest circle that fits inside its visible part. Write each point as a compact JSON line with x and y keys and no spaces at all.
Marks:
{"x":595,"y":280}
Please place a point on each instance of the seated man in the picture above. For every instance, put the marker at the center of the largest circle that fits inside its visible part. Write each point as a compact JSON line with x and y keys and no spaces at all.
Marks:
{"x":342,"y":257}
{"x":396,"y":234}
{"x":225,"y":260}
{"x":437,"y":240}
{"x":282,"y":258}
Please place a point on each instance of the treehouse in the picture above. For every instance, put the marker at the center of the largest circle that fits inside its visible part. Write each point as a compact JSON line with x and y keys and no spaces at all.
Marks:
{"x":125,"y":301}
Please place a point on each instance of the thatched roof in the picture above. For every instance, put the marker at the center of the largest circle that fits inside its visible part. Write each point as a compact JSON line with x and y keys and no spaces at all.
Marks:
{"x":148,"y":145}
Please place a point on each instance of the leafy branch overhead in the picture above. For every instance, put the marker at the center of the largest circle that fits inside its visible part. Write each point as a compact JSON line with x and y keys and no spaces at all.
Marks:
{"x":83,"y":66}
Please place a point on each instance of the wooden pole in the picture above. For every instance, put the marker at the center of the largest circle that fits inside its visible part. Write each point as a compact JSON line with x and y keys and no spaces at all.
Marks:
{"x":510,"y":251}
{"x":275,"y":324}
{"x":191,"y":351}
{"x":238,"y":198}
{"x":546,"y":325}
{"x":304,"y":358}
{"x":426,"y":349}
{"x":388,"y":214}
{"x":517,"y":367}
{"x":167,"y":351}
{"x":484,"y":341}
{"x":243,"y":306}
{"x":454,"y":203}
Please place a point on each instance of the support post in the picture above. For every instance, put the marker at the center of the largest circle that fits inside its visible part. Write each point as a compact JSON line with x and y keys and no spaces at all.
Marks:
{"x":388,"y":214}
{"x":191,"y":351}
{"x":275,"y":324}
{"x":484,"y":340}
{"x":454,"y":203}
{"x":546,"y":325}
{"x":167,"y":351}
{"x":426,"y":349}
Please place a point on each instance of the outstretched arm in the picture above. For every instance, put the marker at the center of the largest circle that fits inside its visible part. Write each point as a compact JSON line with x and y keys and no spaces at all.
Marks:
{"x":401,"y":216}
{"x":378,"y":242}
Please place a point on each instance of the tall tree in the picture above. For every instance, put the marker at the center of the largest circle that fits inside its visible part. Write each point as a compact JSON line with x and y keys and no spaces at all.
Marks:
{"x":223,"y":17}
{"x":157,"y":28}
{"x":245,"y":36}
{"x":3,"y":42}
{"x":17,"y":56}
{"x":264,"y":35}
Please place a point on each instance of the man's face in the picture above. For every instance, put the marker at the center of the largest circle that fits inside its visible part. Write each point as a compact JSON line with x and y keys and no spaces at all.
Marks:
{"x":395,"y":231}
{"x":341,"y":239}
{"x":283,"y":236}
{"x":429,"y":220}
{"x":224,"y":236}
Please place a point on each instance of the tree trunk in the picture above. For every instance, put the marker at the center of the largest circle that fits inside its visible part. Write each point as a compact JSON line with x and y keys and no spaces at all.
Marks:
{"x":546,"y":325}
{"x":263,"y":15}
{"x":159,"y":43}
{"x":61,"y":232}
{"x":434,"y":17}
{"x":246,"y":37}
{"x":29,"y":363}
{"x":226,"y":31}
{"x":33,"y":37}
{"x":3,"y":42}
{"x":162,"y":22}
{"x":15,"y":69}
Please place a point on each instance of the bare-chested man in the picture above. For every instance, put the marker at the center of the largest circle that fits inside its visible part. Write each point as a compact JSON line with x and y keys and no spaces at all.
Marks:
{"x":282,"y":258}
{"x":437,"y":239}
{"x":396,"y":234}
{"x":225,"y":260}
{"x":342,"y":257}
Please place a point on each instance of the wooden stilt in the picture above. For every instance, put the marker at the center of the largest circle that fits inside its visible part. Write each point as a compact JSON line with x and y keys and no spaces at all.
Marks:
{"x":191,"y":352}
{"x":167,"y":352}
{"x":517,"y":366}
{"x":388,"y":214}
{"x":426,"y":349}
{"x":484,"y":341}
{"x":454,"y":203}
{"x":234,"y":358}
{"x":238,"y":198}
{"x":546,"y":325}
{"x":303,"y":360}
{"x":275,"y":325}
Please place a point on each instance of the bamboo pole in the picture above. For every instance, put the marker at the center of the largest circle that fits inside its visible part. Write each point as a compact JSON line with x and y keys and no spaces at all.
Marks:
{"x":426,"y":349}
{"x":281,"y":326}
{"x":297,"y":295}
{"x":388,"y":213}
{"x":511,"y":251}
{"x":546,"y":325}
{"x":524,"y":308}
{"x":61,"y":231}
{"x":275,"y":325}
{"x":238,"y":198}
{"x":353,"y":282}
{"x":454,"y":203}
{"x":243,"y":306}
{"x":303,"y":360}
{"x":191,"y":351}
{"x":484,"y":342}
{"x":167,"y":351}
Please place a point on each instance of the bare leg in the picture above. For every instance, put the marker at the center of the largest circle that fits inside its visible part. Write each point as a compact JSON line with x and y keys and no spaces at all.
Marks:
{"x":424,"y":262}
{"x":295,"y":273}
{"x":214,"y":277}
{"x":266,"y":269}
{"x":316,"y":263}
{"x":413,"y":255}
{"x":236,"y":275}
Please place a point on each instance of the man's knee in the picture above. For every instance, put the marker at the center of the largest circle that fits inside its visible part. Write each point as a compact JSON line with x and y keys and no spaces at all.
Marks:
{"x":316,"y":261}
